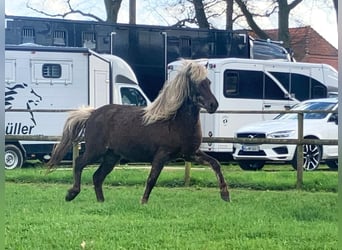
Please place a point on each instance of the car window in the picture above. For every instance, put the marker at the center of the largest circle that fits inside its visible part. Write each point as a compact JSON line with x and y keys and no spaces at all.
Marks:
{"x":309,"y":106}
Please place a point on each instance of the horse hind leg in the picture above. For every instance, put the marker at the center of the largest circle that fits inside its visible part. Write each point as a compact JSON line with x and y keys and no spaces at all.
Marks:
{"x":80,"y":163}
{"x":107,"y":165}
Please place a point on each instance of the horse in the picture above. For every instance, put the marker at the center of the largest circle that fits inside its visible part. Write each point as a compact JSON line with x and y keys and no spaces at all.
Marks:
{"x":167,"y":129}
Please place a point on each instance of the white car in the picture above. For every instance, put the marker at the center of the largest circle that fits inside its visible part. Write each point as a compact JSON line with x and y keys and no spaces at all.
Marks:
{"x":285,"y":126}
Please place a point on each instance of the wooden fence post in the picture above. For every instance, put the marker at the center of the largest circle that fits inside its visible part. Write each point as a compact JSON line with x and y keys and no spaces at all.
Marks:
{"x":300,"y":159}
{"x":187,"y":173}
{"x":75,"y":153}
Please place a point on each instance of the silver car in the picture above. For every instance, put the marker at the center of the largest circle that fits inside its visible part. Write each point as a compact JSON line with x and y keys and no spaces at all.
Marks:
{"x":285,"y":126}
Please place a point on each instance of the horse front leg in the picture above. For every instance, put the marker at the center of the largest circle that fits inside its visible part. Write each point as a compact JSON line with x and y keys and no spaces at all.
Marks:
{"x":157,"y":165}
{"x":203,"y":158}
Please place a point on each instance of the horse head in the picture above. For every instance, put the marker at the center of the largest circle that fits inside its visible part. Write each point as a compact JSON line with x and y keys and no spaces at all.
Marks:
{"x":200,"y":92}
{"x":189,"y":84}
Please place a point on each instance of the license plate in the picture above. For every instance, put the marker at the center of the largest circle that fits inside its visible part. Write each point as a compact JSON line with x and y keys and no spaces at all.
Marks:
{"x":250,"y":148}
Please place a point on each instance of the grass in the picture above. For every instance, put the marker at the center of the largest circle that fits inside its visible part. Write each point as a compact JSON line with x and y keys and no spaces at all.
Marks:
{"x":272,"y":178}
{"x":263,"y":214}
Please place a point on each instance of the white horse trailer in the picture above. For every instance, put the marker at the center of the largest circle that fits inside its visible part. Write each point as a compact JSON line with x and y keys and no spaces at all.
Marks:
{"x":257,"y":85}
{"x":58,"y":78}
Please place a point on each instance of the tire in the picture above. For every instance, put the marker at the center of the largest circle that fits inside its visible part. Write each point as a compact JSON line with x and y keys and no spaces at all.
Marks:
{"x":332,"y":164}
{"x":251,"y":165}
{"x":13,"y":157}
{"x":312,"y":157}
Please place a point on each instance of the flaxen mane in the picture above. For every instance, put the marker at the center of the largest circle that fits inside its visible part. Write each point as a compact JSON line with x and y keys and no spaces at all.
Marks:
{"x":174,"y":92}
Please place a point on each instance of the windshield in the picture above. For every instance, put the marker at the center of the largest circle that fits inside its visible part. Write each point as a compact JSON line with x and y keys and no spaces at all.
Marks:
{"x":310,"y":106}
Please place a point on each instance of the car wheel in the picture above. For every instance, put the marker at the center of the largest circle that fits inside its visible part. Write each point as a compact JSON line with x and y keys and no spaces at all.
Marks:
{"x":251,"y":165}
{"x":13,"y":157}
{"x":332,"y":164}
{"x":312,"y":156}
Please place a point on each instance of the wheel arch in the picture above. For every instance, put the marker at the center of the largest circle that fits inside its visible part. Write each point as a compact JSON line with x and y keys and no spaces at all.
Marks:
{"x":19,"y":145}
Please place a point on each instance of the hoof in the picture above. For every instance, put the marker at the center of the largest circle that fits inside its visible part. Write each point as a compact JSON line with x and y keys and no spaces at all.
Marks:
{"x":143,"y":201}
{"x":71,"y":195}
{"x":225,"y":196}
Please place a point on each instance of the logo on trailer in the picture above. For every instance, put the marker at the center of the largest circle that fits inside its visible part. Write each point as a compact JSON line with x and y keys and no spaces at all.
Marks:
{"x":21,"y":96}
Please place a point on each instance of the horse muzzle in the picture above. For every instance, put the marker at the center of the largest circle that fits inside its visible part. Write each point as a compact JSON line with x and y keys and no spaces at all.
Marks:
{"x":209,"y":106}
{"x":212,"y":107}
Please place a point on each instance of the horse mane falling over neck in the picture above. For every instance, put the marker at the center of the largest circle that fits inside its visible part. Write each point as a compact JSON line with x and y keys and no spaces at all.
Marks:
{"x":174,"y":92}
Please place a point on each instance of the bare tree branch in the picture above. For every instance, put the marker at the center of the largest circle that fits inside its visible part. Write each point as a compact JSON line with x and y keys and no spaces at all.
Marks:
{"x":250,"y":20}
{"x":294,"y":4}
{"x":71,"y":10}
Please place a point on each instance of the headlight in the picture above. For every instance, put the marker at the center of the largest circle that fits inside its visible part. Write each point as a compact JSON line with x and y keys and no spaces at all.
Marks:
{"x":281,"y":134}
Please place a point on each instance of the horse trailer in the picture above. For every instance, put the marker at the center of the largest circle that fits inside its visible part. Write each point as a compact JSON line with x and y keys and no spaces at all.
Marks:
{"x":255,"y":86}
{"x":146,"y":48}
{"x":42,"y":83}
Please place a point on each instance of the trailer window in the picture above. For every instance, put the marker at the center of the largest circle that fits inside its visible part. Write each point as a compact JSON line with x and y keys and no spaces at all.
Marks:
{"x":51,"y":70}
{"x":10,"y":70}
{"x":243,"y":84}
{"x":283,"y":78}
{"x":300,"y":86}
{"x":273,"y":91}
{"x":231,"y":80}
{"x":318,"y":90}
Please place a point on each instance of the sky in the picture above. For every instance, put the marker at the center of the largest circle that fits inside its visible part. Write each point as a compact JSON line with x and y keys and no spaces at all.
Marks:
{"x":322,"y":19}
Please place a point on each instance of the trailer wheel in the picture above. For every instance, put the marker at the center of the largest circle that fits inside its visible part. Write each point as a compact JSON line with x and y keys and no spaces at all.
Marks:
{"x":13,"y":157}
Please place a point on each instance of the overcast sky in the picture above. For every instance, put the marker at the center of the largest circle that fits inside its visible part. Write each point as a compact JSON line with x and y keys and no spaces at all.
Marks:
{"x":322,"y":19}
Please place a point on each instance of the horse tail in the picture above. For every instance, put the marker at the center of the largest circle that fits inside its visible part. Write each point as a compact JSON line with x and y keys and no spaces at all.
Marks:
{"x":72,"y":133}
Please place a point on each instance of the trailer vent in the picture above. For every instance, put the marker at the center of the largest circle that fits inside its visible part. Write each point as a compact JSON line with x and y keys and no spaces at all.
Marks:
{"x":59,"y":38}
{"x":89,"y":40}
{"x":52,"y":70}
{"x":28,"y":35}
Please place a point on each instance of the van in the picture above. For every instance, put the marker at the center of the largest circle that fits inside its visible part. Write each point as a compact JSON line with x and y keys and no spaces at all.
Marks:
{"x":254,"y":86}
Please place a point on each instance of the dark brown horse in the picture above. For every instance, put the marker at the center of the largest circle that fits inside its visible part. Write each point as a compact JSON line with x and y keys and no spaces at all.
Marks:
{"x":167,"y":129}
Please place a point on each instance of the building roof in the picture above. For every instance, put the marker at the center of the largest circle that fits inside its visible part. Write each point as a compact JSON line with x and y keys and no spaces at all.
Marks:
{"x":309,"y":46}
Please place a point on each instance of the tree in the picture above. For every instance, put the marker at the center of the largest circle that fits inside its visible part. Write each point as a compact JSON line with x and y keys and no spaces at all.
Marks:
{"x":200,"y":14}
{"x":284,"y":8}
{"x":229,"y":14}
{"x":336,"y":7}
{"x":112,"y":10}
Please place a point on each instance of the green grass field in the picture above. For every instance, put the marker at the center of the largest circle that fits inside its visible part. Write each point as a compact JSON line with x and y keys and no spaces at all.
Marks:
{"x":266,"y":211}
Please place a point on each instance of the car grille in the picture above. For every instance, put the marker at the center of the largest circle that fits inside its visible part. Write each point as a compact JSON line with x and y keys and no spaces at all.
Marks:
{"x":250,"y":135}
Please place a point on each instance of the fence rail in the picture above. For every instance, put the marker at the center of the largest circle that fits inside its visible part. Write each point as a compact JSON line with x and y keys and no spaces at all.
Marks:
{"x":300,"y":141}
